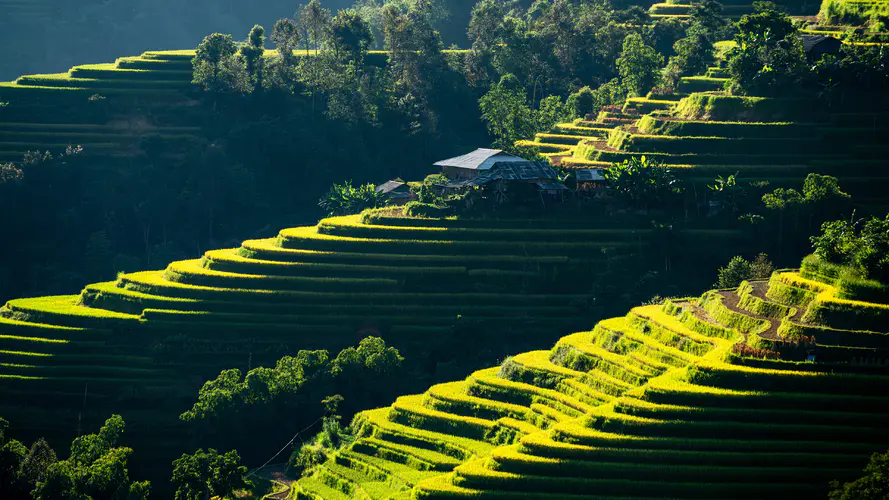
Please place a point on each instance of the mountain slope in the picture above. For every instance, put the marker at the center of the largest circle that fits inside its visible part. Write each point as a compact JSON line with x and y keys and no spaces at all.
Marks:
{"x":709,"y":397}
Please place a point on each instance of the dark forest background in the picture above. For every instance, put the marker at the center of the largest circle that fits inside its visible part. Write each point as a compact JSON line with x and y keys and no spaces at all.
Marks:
{"x":51,"y":36}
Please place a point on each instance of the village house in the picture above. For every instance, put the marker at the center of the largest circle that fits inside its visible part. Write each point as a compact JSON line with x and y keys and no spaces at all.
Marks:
{"x":590,"y":181}
{"x":471,"y":165}
{"x":816,"y":46}
{"x":397,"y":191}
{"x":493,"y":168}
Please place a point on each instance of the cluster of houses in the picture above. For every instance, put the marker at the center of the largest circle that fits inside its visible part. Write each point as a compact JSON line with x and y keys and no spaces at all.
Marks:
{"x":496,"y":171}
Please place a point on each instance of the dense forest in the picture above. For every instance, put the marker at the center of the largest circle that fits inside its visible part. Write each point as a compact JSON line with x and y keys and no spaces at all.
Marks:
{"x":46,"y":36}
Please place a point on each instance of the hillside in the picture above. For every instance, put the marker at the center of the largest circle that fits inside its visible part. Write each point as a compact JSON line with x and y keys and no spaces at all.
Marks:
{"x":765,"y":391}
{"x":51,"y":35}
{"x":51,"y":111}
{"x":143,"y":344}
{"x":410,"y":279}
{"x":701,"y":132}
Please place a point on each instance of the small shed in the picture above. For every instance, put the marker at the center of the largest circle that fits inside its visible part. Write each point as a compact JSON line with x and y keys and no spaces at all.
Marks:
{"x":475,"y":163}
{"x":815,"y":46}
{"x":590,"y":180}
{"x":396,"y":190}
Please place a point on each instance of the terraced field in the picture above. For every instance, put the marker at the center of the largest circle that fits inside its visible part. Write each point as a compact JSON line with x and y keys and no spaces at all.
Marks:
{"x":665,"y":402}
{"x":731,"y":9}
{"x":151,"y":337}
{"x":852,"y":12}
{"x":701,"y":133}
{"x":109,"y":109}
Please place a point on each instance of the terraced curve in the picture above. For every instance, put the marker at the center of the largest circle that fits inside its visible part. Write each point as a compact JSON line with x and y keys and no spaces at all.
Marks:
{"x":766,"y":391}
{"x":109,"y":109}
{"x":701,"y":132}
{"x":147,"y":340}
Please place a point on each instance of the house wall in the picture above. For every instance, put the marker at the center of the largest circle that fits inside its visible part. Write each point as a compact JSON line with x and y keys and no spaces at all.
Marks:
{"x":454,"y":173}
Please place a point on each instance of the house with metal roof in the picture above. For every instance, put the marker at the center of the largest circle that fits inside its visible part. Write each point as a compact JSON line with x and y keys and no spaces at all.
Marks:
{"x":815,"y":46}
{"x":473,"y":164}
{"x":590,"y":180}
{"x":498,"y":176}
{"x":590,"y":174}
{"x":396,"y":190}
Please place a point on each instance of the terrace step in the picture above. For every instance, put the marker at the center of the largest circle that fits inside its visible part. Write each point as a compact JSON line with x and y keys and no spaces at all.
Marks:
{"x":63,"y":310}
{"x":417,"y":458}
{"x":192,"y":272}
{"x":268,"y":250}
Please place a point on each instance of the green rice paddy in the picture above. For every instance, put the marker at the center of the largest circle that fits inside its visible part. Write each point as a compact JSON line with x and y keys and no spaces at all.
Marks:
{"x":661,"y":403}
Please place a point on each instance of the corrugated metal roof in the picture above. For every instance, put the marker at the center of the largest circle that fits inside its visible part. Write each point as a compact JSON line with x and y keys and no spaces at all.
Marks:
{"x":589,"y":174}
{"x":388,"y":186}
{"x":810,"y":41}
{"x":480,"y":159}
{"x":552,"y":186}
{"x":511,"y":171}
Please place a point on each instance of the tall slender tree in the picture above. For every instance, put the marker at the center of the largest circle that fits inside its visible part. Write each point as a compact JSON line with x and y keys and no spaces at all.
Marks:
{"x":252,"y":52}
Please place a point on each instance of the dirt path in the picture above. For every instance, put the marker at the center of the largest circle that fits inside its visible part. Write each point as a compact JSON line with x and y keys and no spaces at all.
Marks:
{"x":730,"y":300}
{"x":275,"y":474}
{"x":699,"y":312}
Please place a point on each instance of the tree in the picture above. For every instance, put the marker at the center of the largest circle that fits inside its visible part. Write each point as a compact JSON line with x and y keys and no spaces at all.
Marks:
{"x":707,"y":16}
{"x":38,"y":460}
{"x":333,"y":436}
{"x":215,"y":67}
{"x":823,"y":189}
{"x":694,"y":53}
{"x":9,"y":173}
{"x":641,"y":182}
{"x":874,"y":485}
{"x":485,"y":34}
{"x":740,"y":269}
{"x":550,"y":112}
{"x":286,"y":37}
{"x":350,"y":35}
{"x":634,"y":16}
{"x":862,"y":246}
{"x":417,"y":65}
{"x":768,"y":59}
{"x":727,"y":192}
{"x":344,"y":199}
{"x":371,"y":354}
{"x":95,"y":469}
{"x":507,"y":114}
{"x":836,"y":242}
{"x":252,"y":52}
{"x":13,"y":482}
{"x":314,"y":21}
{"x":638,"y":65}
{"x":203,"y":475}
{"x":581,"y":103}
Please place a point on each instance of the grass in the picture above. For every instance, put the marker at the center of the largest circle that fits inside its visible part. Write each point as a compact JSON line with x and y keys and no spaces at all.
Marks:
{"x":682,"y":415}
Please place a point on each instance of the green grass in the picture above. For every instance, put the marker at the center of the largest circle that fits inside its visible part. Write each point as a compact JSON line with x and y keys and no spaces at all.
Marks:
{"x":682,"y":413}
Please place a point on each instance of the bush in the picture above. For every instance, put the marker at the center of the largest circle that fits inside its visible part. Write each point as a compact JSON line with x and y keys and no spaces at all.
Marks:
{"x":345,"y":199}
{"x":873,"y":485}
{"x":420,"y":209}
{"x":740,"y":269}
{"x":862,"y":245}
{"x":641,"y":182}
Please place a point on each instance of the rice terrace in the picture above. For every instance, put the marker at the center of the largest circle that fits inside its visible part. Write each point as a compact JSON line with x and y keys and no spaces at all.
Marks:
{"x":442,"y":249}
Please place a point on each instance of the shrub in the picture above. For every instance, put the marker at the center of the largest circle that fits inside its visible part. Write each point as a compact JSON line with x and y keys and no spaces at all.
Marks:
{"x":420,"y":209}
{"x":740,"y":269}
{"x":873,"y":485}
{"x":769,"y":58}
{"x":641,"y":182}
{"x":862,"y":247}
{"x":344,"y":199}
